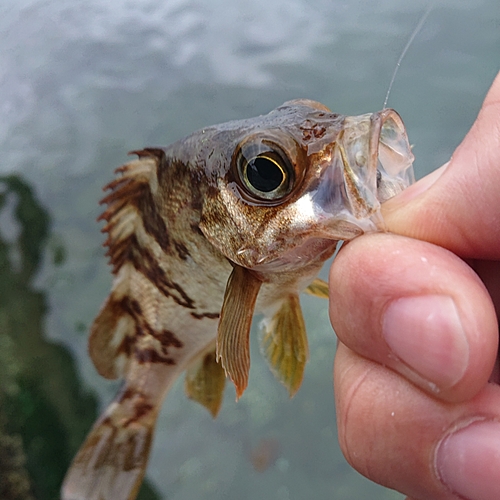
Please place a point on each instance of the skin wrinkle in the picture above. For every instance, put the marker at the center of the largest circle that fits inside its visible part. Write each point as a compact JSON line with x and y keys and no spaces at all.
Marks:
{"x":477,"y":200}
{"x":433,"y":223}
{"x":354,"y":388}
{"x":351,"y":403}
{"x":365,"y":338}
{"x":465,"y":234}
{"x":371,"y":414}
{"x":392,"y":475}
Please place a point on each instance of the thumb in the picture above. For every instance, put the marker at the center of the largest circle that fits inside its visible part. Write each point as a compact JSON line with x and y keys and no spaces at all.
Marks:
{"x":458,"y":206}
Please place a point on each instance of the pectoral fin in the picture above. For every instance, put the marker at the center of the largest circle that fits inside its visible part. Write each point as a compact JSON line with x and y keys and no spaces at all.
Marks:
{"x":205,"y":380}
{"x":318,"y":288}
{"x":233,"y":336}
{"x":284,"y":344}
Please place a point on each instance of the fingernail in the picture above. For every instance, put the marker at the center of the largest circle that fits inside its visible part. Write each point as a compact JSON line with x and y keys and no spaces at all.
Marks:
{"x":468,"y":461}
{"x":425,"y":332}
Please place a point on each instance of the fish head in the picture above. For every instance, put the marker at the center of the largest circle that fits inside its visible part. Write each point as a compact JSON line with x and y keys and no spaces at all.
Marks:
{"x":285,"y":187}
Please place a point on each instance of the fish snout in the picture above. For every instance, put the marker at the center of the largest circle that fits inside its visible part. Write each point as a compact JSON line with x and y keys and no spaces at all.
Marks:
{"x":370,"y":162}
{"x":394,"y":157}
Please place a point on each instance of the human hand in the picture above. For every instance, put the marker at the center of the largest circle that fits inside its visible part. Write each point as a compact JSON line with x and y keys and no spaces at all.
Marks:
{"x":416,"y":372}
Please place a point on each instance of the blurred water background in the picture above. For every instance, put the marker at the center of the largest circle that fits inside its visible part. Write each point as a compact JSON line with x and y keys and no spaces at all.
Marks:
{"x":82,"y":83}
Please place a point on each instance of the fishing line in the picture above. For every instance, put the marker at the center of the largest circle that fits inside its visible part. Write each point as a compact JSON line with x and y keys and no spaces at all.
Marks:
{"x":417,"y":29}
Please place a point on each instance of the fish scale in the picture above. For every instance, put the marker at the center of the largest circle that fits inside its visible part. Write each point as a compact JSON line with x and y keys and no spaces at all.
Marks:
{"x":233,"y":220}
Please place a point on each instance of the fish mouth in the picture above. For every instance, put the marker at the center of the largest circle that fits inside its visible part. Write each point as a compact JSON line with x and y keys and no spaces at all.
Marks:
{"x":370,"y":162}
{"x":394,"y":157}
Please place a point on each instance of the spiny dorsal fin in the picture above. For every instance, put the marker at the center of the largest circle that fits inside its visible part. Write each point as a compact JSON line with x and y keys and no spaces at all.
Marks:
{"x":113,"y":329}
{"x":137,"y":178}
{"x":205,"y":381}
{"x":318,"y":288}
{"x":284,"y":344}
{"x":233,"y":335}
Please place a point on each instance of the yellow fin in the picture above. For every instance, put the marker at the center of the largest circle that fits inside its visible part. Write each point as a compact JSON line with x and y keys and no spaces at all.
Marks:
{"x":112,"y":461}
{"x":205,"y":380}
{"x":318,"y":288}
{"x":284,"y":344}
{"x":233,"y":335}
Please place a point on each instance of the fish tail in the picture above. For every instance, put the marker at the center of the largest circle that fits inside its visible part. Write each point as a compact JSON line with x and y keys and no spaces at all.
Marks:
{"x":111,"y":463}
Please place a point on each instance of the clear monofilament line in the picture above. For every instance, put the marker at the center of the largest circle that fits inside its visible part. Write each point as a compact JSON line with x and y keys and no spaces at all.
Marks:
{"x":405,"y":50}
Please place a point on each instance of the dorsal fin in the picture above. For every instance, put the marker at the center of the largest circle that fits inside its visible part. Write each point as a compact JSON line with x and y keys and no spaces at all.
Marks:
{"x":113,"y":330}
{"x":137,"y":178}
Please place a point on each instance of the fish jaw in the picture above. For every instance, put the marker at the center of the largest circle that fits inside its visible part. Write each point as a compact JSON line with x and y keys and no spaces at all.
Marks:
{"x":370,"y":162}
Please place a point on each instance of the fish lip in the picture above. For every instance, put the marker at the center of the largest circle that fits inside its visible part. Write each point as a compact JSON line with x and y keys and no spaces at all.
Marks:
{"x":394,"y":161}
{"x":370,"y":162}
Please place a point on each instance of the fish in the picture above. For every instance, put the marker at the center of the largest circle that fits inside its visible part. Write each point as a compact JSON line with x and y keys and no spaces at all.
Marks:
{"x":235,"y":219}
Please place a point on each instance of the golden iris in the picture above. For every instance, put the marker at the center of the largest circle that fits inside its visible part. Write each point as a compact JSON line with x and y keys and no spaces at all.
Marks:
{"x":264,"y":170}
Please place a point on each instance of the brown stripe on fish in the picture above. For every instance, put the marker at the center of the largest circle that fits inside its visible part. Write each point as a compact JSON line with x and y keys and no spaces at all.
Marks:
{"x":131,"y":306}
{"x":152,"y":221}
{"x":166,"y":338}
{"x":181,"y":250}
{"x":131,"y":200}
{"x":151,"y":355}
{"x":141,"y":409}
{"x":196,"y":229}
{"x":162,"y":164}
{"x":169,"y":170}
{"x":123,"y":212}
{"x":139,"y":404}
{"x":126,"y":346}
{"x":127,"y":393}
{"x":145,"y":262}
{"x":209,"y":315}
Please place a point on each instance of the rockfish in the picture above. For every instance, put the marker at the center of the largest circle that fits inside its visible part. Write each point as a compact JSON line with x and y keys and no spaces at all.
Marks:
{"x":235,"y":219}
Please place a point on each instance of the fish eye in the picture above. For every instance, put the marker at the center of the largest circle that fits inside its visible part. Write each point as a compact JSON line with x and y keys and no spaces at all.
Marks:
{"x":264,"y":171}
{"x":264,"y":174}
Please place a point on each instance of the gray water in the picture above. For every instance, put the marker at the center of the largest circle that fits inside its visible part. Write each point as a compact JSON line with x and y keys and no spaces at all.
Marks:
{"x":82,"y":83}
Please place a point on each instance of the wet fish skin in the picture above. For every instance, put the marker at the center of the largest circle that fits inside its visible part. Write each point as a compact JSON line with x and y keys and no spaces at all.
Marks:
{"x":195,"y":251}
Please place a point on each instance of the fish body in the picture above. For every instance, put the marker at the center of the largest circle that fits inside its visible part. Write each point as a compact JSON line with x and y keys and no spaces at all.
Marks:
{"x":235,"y":219}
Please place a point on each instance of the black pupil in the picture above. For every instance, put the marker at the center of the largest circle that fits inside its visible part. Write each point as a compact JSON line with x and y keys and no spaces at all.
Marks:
{"x":264,"y":175}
